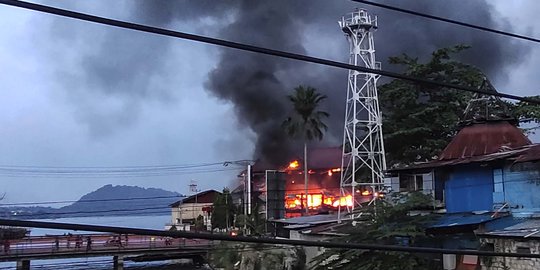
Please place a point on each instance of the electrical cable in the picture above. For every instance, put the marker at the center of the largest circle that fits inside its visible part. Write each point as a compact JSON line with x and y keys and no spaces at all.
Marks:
{"x":92,"y":201}
{"x":250,"y":48}
{"x":320,"y":189}
{"x":115,"y":175}
{"x":446,"y":20}
{"x":261,"y":240}
{"x":119,"y":171}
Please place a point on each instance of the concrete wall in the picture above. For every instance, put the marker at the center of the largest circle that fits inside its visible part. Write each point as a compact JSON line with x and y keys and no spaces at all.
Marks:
{"x":511,"y":246}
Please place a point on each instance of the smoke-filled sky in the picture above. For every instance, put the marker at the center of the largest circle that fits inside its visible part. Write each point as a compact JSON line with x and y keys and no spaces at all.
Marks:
{"x":80,"y":94}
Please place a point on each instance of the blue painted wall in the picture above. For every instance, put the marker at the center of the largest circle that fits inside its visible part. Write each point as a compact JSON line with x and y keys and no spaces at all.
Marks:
{"x":469,"y":188}
{"x":522,"y":187}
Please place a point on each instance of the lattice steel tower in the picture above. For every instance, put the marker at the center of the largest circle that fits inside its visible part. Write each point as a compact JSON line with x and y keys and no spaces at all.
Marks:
{"x":363,"y":161}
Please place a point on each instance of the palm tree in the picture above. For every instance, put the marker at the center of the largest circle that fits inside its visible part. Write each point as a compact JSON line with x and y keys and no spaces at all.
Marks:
{"x":306,"y":122}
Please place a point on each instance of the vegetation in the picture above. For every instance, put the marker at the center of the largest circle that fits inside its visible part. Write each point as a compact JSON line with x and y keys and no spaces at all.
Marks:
{"x":411,"y":132}
{"x":257,"y":257}
{"x":199,"y":223}
{"x":223,"y":211}
{"x":306,"y":122}
{"x":390,"y":222}
{"x":255,"y":224}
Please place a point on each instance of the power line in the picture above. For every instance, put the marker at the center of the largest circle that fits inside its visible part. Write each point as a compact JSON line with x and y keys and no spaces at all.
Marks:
{"x":119,"y":171}
{"x":261,"y":240}
{"x":96,"y":212}
{"x":92,"y":201}
{"x":83,"y":170}
{"x":115,"y":175}
{"x":250,"y":48}
{"x":446,"y":20}
{"x":174,"y":166}
{"x":321,"y":190}
{"x":287,"y":192}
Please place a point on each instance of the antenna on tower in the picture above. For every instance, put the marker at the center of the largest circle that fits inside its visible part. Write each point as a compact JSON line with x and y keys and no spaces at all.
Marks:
{"x":363,"y":159}
{"x":193,"y":187}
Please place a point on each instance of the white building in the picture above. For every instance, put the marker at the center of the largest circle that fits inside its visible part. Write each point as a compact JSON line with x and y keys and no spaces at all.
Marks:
{"x":185,"y":212}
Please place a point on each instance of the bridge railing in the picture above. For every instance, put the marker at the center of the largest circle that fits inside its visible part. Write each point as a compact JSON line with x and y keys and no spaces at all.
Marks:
{"x":79,"y":243}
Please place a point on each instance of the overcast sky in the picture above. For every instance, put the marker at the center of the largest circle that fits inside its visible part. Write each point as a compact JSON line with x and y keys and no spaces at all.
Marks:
{"x":70,"y":95}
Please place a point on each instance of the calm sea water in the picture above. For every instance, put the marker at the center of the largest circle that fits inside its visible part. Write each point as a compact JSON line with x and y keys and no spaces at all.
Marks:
{"x":101,"y":263}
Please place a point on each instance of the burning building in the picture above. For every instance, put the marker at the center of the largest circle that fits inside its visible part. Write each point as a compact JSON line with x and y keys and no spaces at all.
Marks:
{"x":280,"y":190}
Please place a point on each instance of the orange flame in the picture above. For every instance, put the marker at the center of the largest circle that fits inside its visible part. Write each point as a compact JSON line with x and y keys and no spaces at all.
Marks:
{"x":316,"y":200}
{"x":294,"y":165}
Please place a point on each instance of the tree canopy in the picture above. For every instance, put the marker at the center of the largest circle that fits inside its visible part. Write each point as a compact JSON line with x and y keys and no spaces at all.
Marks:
{"x":223,"y":211}
{"x":307,"y":121}
{"x":388,"y":222}
{"x":419,"y":120}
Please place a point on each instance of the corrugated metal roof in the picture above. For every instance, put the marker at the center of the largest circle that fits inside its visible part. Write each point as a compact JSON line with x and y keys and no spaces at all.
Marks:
{"x":461,"y":219}
{"x":522,"y":154}
{"x":481,"y":139}
{"x":532,"y":154}
{"x":311,"y":220}
{"x":526,"y":228}
{"x":206,"y":196}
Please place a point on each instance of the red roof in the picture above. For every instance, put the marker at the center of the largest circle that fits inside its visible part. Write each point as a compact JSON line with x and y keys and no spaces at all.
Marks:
{"x":523,"y":154}
{"x":207,"y":196}
{"x":483,"y":139}
{"x":322,"y":158}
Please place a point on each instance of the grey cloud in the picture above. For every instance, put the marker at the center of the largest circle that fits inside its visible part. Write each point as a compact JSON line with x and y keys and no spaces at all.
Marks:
{"x":256,"y":85}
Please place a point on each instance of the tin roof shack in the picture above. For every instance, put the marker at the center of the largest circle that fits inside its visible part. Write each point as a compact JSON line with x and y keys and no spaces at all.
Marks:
{"x":511,"y":235}
{"x":458,"y":231}
{"x":185,"y":212}
{"x":485,"y":166}
{"x":489,"y":164}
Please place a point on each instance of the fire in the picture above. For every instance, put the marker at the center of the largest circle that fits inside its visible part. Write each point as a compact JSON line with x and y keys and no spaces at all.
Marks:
{"x":315,"y":201}
{"x":294,"y":165}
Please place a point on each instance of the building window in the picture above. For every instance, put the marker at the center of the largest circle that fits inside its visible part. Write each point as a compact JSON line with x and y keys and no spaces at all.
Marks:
{"x":419,"y":182}
{"x":411,"y":182}
{"x":523,"y":250}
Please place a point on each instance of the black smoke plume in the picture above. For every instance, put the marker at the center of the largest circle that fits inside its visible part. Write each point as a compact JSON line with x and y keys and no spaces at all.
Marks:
{"x":257,"y":85}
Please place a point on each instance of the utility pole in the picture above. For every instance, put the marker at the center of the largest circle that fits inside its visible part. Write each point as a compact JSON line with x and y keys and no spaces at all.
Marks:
{"x":246,"y":203}
{"x":227,"y":209}
{"x":249,"y":189}
{"x":193,"y":189}
{"x":306,"y":177}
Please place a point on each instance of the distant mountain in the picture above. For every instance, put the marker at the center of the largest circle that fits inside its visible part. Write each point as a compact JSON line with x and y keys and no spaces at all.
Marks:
{"x":123,"y":200}
{"x":108,"y":200}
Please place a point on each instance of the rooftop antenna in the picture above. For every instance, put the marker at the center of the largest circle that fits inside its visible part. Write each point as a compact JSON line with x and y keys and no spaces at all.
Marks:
{"x":363,"y":159}
{"x":193,"y":187}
